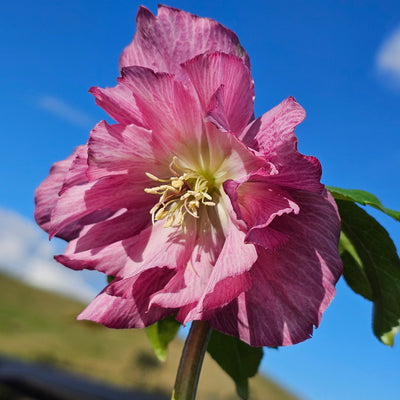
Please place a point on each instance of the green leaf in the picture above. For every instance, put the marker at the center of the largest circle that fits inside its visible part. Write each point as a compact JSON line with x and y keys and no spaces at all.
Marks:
{"x":362,"y":197}
{"x":353,"y":269}
{"x":161,"y":334}
{"x":239,"y":360}
{"x":377,"y":261}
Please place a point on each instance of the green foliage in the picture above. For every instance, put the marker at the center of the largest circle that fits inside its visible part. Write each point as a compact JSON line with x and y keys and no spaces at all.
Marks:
{"x":239,"y":360}
{"x":371,"y":264}
{"x":161,"y":334}
{"x":354,"y":272}
{"x":362,"y":197}
{"x":371,"y":267}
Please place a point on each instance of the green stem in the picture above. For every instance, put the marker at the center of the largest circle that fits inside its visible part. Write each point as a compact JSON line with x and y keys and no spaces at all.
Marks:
{"x":192,"y":357}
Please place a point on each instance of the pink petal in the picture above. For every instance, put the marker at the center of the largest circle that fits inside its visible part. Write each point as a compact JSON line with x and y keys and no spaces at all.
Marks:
{"x":208,"y":72}
{"x":47,"y":194}
{"x":258,"y":204}
{"x":173,"y":113}
{"x":229,"y":156}
{"x":188,"y":285}
{"x":99,"y":196}
{"x":161,"y":247}
{"x":110,"y":259}
{"x":116,"y":149}
{"x":229,"y":277}
{"x":152,"y":247}
{"x":216,"y":112}
{"x":119,"y":157}
{"x":275,"y":128}
{"x":273,"y":135}
{"x":77,"y":173}
{"x":170,"y":109}
{"x":128,"y":308}
{"x":118,"y":227}
{"x":119,"y":103}
{"x":292,"y":286}
{"x":164,"y":42}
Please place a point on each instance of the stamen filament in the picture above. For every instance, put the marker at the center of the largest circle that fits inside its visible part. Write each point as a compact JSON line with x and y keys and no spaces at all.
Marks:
{"x":179,"y":195}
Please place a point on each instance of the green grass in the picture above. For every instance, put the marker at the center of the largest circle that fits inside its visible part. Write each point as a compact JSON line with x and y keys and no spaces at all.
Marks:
{"x":42,"y":327}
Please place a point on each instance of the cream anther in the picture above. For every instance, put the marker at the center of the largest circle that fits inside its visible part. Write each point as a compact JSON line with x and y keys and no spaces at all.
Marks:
{"x":179,"y":195}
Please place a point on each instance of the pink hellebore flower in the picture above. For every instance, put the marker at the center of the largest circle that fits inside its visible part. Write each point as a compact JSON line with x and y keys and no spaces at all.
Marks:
{"x":198,"y":209}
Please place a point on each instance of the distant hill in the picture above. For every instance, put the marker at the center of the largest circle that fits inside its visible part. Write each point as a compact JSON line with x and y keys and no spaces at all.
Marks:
{"x":40,"y":326}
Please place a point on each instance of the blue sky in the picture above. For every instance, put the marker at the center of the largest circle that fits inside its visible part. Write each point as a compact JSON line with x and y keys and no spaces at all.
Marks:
{"x":339,"y":59}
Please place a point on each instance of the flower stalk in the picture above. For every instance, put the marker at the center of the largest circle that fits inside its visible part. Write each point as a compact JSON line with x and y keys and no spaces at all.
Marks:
{"x":191,"y":361}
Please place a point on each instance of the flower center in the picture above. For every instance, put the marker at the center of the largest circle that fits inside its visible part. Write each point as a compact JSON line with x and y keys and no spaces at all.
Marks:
{"x":181,"y":194}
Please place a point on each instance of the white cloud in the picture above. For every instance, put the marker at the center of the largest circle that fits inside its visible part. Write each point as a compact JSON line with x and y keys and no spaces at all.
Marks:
{"x":26,"y":254}
{"x":388,"y":57}
{"x":61,"y":109}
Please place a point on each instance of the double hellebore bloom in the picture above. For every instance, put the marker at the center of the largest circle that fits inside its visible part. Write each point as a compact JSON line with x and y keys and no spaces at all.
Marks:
{"x":197,"y":209}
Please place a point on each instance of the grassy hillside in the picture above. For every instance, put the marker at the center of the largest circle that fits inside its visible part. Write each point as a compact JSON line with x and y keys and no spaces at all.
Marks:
{"x":40,"y":326}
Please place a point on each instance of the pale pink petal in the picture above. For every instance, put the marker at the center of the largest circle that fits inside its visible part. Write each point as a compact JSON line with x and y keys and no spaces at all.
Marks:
{"x":214,"y":275}
{"x":154,"y":246}
{"x":229,"y":276}
{"x":76,"y":179}
{"x":72,"y":230}
{"x":164,"y":42}
{"x":188,"y":285}
{"x":109,"y":195}
{"x":228,"y":156}
{"x":161,"y":247}
{"x":130,"y":311}
{"x":208,"y":72}
{"x":119,"y":104}
{"x":116,"y":149}
{"x":110,"y":259}
{"x":120,"y":226}
{"x":170,"y":109}
{"x":273,"y":135}
{"x":292,"y":286}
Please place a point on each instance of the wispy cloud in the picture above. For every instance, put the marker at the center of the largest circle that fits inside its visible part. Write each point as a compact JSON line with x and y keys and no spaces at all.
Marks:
{"x":27,"y":255}
{"x":388,"y":57}
{"x":61,"y":109}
